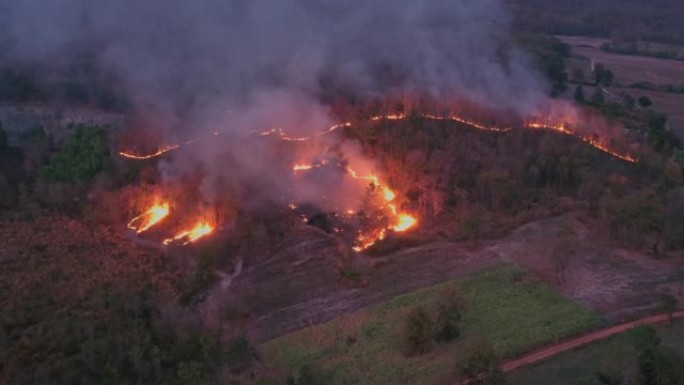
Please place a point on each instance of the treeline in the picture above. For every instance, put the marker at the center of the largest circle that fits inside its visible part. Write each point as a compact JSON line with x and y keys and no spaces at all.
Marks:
{"x":82,"y":82}
{"x":466,"y":183}
{"x":658,"y":20}
{"x":640,"y":48}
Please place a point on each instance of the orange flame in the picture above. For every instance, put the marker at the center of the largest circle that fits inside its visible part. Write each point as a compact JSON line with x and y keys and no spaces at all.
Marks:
{"x":400,"y":221}
{"x":200,"y":230}
{"x":302,"y":167}
{"x":453,"y":118}
{"x":150,"y":218}
{"x":404,"y":223}
{"x":594,"y":142}
{"x":159,"y":152}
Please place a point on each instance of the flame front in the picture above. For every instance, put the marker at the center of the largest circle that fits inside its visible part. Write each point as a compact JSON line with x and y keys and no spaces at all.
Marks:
{"x":155,"y":154}
{"x":150,"y":218}
{"x":200,"y":230}
{"x":399,"y":221}
{"x":454,"y":118}
{"x":593,"y":141}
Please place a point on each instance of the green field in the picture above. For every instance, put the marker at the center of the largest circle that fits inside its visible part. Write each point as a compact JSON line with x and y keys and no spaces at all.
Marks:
{"x":579,"y":367}
{"x":506,"y":305}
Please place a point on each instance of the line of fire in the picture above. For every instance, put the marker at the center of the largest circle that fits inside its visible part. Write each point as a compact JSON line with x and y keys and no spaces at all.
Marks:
{"x":383,"y":211}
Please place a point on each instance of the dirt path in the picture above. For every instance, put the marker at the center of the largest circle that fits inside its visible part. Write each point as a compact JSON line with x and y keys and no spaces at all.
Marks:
{"x":551,"y":351}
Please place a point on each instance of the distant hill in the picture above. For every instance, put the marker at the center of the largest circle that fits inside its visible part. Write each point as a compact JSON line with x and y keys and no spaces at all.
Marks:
{"x":656,"y":20}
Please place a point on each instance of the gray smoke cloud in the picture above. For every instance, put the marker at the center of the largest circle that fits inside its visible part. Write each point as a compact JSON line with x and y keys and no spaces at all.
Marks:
{"x":240,"y":66}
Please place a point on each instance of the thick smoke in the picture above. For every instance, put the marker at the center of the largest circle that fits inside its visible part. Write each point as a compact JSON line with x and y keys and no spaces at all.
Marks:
{"x":242,"y":66}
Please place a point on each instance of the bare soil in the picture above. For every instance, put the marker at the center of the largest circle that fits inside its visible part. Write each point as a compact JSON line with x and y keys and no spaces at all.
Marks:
{"x":303,"y":282}
{"x":630,"y":69}
{"x":618,"y":283}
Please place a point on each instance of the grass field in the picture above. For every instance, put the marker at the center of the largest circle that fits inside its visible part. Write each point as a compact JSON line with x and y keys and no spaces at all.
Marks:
{"x":579,"y":367}
{"x":509,"y":307}
{"x":630,"y":69}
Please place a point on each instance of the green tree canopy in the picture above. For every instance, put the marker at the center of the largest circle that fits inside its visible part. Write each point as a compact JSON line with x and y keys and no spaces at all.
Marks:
{"x":83,"y":155}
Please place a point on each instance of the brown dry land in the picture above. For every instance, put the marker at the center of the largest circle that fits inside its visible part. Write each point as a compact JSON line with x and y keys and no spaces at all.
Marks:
{"x":301,"y":284}
{"x":631,"y":69}
{"x":597,"y":42}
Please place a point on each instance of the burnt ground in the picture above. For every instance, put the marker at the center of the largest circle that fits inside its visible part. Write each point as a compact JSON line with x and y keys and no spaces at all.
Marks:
{"x":618,"y":283}
{"x":304,"y":283}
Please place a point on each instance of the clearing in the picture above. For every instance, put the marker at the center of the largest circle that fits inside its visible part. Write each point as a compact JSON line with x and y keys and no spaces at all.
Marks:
{"x":579,"y":366}
{"x":631,"y":69}
{"x":510,"y":307}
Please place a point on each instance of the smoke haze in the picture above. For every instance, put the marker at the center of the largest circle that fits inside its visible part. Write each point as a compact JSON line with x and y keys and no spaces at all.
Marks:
{"x":242,"y":66}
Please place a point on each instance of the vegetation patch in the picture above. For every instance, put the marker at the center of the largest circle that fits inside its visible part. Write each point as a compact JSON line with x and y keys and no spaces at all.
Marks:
{"x":504,"y":305}
{"x":627,"y":358}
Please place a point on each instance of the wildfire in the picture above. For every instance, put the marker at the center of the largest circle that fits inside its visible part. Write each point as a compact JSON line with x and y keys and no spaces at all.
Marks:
{"x":399,"y":222}
{"x":283,"y":136}
{"x":302,"y":167}
{"x":405,"y":222}
{"x":150,"y":218}
{"x":159,"y":152}
{"x":452,"y":118}
{"x":593,"y":141}
{"x":200,"y":230}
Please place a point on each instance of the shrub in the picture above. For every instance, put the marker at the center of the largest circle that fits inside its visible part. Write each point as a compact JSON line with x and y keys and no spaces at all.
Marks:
{"x":240,"y":353}
{"x":418,"y":332}
{"x":668,"y":304}
{"x":645,"y":101}
{"x":477,"y":361}
{"x":83,"y":155}
{"x":449,"y":310}
{"x":303,"y":375}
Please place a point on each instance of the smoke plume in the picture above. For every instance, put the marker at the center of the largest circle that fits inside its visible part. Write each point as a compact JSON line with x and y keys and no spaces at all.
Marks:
{"x":242,"y":66}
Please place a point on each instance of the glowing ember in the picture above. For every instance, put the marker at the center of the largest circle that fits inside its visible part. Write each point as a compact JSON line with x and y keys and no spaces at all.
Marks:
{"x":200,"y":230}
{"x":364,"y":241}
{"x":150,"y":218}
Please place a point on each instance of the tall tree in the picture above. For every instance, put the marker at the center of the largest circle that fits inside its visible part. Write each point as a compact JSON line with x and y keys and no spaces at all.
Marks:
{"x":579,"y":94}
{"x":597,"y":98}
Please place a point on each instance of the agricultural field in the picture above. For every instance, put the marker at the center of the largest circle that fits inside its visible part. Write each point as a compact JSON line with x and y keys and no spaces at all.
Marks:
{"x":506,"y":305}
{"x":631,"y":70}
{"x":580,"y":366}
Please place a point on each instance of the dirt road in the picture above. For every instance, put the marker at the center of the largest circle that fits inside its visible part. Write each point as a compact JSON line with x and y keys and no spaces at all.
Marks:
{"x":550,"y":351}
